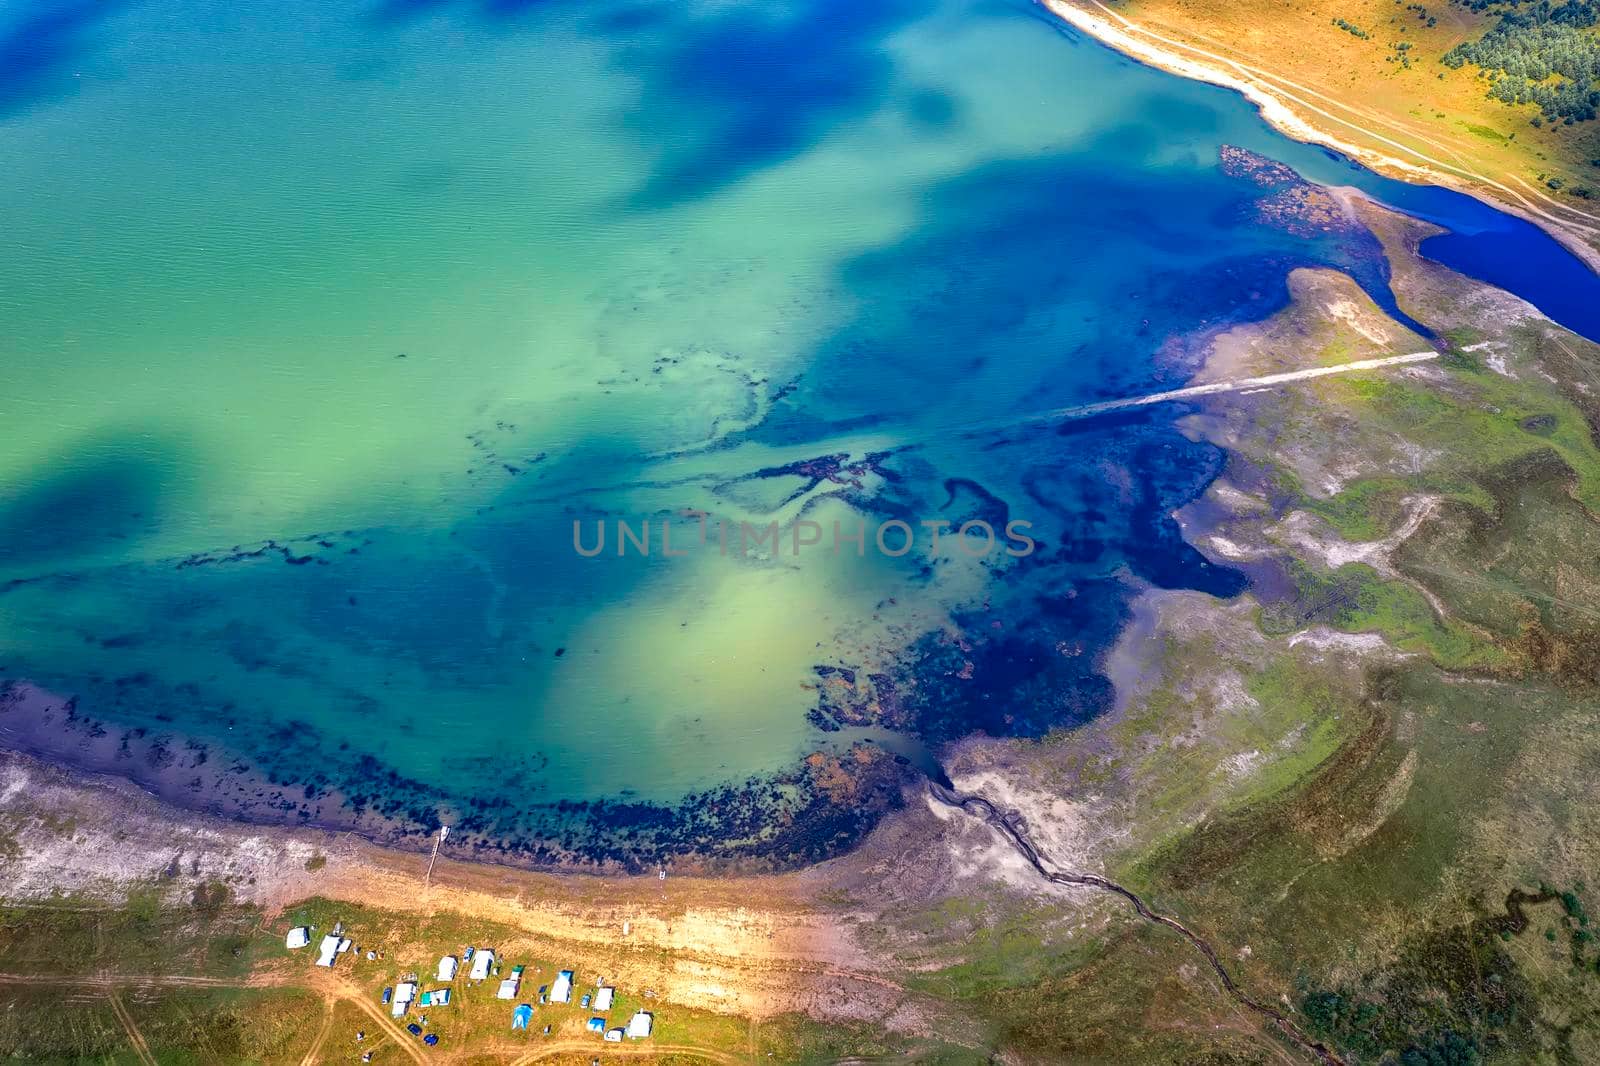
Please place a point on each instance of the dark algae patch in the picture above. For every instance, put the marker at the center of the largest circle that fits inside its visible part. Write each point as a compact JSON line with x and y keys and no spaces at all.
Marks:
{"x":1310,"y":211}
{"x":1006,"y":674}
{"x":791,"y":819}
{"x":1028,"y":660}
{"x":822,"y":806}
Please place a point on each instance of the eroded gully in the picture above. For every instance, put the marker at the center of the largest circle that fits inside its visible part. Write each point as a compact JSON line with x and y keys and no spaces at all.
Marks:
{"x":1011,"y":826}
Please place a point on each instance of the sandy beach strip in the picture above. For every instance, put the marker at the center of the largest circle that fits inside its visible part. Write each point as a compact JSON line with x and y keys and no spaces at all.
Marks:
{"x":1303,"y":121}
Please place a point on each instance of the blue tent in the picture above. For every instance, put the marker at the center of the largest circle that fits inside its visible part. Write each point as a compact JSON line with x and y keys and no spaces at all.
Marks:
{"x":521,"y":1017}
{"x":597,"y":1025}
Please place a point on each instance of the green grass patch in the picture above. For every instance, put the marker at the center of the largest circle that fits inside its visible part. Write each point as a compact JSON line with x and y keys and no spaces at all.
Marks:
{"x":1002,"y":952}
{"x":795,"y":1038}
{"x":1502,"y":422}
{"x":144,"y":935}
{"x":182,"y":1027}
{"x":1357,"y":599}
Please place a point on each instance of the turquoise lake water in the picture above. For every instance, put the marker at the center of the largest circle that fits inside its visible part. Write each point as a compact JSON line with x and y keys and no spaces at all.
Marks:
{"x":324,"y":321}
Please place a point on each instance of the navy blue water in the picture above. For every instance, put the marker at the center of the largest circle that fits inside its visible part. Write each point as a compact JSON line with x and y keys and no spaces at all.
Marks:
{"x":1484,"y":243}
{"x":1503,"y":250}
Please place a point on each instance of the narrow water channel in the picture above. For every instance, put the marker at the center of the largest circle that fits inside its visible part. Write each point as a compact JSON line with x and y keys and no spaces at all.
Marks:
{"x":1010,"y":825}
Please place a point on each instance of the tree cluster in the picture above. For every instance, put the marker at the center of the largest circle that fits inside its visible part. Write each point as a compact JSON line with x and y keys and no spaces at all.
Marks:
{"x":1540,"y":53}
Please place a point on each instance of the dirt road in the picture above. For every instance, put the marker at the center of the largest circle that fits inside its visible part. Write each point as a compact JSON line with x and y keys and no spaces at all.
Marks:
{"x":609,"y":1051}
{"x":332,"y":989}
{"x":135,"y":1038}
{"x":1288,"y":103}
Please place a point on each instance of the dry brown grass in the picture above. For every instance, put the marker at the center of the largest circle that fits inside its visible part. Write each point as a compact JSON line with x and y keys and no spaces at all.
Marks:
{"x":1427,"y":114}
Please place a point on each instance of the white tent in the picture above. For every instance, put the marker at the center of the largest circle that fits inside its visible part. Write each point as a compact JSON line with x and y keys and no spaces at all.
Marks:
{"x":639,"y":1025}
{"x":447,"y":968}
{"x":602,"y":998}
{"x":481,"y":962}
{"x":508,"y":987}
{"x":331,"y":945}
{"x":404,"y":993}
{"x":561,"y":991}
{"x":298,"y":937}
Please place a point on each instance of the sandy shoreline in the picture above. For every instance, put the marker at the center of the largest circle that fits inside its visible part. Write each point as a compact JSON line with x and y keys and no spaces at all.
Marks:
{"x":753,"y":946}
{"x":841,"y":797}
{"x":181,"y":772}
{"x":1281,"y":112}
{"x":746,"y":945}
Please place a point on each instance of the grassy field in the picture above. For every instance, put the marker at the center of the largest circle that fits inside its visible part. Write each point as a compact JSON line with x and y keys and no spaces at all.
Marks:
{"x":1346,"y":821}
{"x":58,"y":1009}
{"x":70,"y":966}
{"x":1370,"y":879}
{"x":1385,"y":89}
